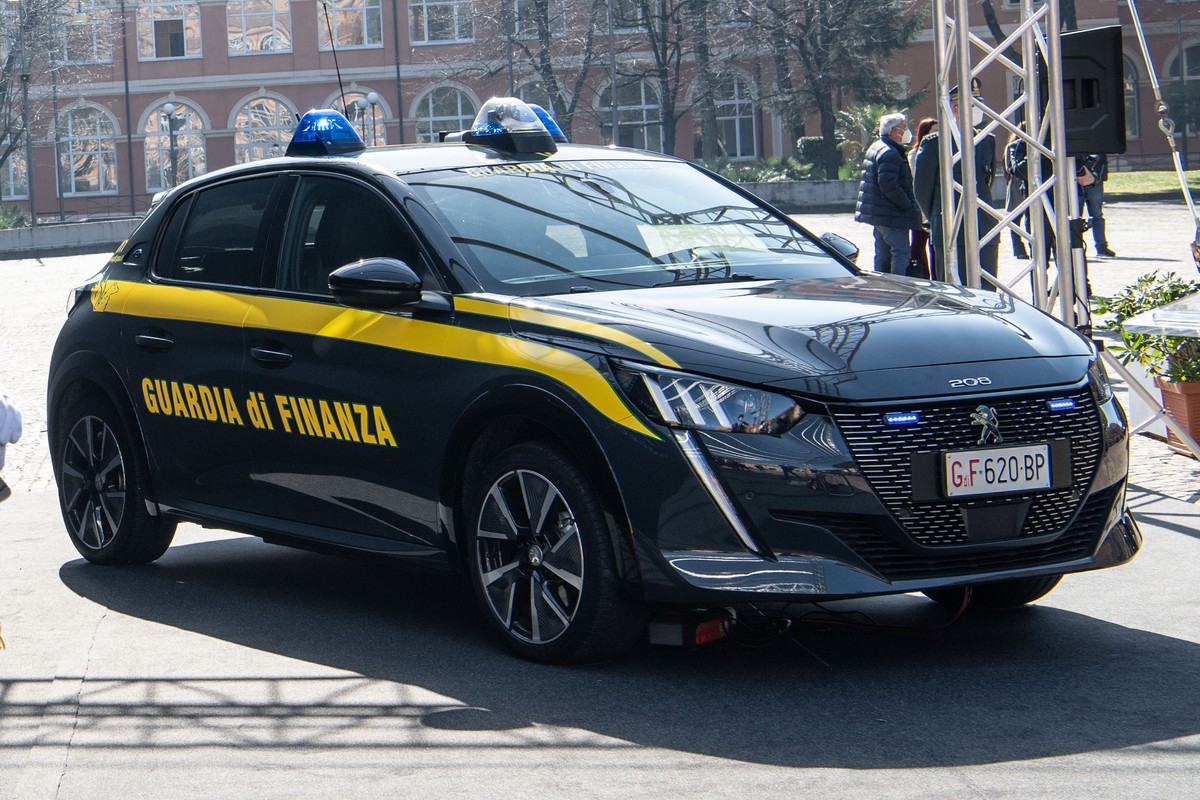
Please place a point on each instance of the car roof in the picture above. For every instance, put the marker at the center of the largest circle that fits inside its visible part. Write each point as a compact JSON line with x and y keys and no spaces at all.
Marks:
{"x":411,"y":159}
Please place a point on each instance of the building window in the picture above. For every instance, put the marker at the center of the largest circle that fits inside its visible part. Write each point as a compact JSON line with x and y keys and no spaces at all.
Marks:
{"x":168,"y":30}
{"x":87,"y":152}
{"x":638,"y":121}
{"x":443,"y":109}
{"x":525,"y":22}
{"x":1191,"y":63}
{"x":349,"y":23}
{"x":440,"y":21}
{"x":86,"y":33}
{"x":365,"y":112}
{"x":262,"y":129}
{"x":174,"y":146}
{"x":1133,"y":121}
{"x":259,"y":26}
{"x":626,"y":14}
{"x":14,"y":177}
{"x":736,"y":137}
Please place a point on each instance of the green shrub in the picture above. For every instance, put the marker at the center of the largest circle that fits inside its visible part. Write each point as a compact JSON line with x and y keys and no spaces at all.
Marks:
{"x":13,"y":217}
{"x":1174,"y":358}
{"x":767,"y":170}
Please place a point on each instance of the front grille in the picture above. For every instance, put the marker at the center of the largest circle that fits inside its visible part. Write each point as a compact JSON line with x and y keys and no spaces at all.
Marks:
{"x":884,"y":454}
{"x":861,"y":534}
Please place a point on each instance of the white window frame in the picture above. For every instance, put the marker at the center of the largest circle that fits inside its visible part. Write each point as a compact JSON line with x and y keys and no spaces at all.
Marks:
{"x":557,"y":18}
{"x":95,"y":26}
{"x":729,"y":110}
{"x":255,"y":142}
{"x":642,"y":116}
{"x":428,"y":124}
{"x":11,"y":174}
{"x":239,"y":22}
{"x":190,"y":148}
{"x":152,"y":12}
{"x":461,"y":11}
{"x":105,"y":147}
{"x":352,"y":15}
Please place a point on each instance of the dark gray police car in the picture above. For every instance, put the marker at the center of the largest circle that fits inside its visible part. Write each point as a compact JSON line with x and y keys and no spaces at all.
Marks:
{"x":601,"y":382}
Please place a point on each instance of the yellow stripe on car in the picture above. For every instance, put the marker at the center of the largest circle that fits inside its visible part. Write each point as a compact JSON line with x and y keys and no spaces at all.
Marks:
{"x":497,"y":309}
{"x":384,"y":330}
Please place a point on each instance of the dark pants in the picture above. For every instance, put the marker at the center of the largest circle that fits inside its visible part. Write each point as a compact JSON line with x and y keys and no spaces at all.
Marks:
{"x":1092,"y":200}
{"x":989,"y":254}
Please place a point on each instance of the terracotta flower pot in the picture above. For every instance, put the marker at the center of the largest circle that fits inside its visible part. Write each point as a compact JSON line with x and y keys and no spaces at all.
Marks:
{"x":1182,"y":402}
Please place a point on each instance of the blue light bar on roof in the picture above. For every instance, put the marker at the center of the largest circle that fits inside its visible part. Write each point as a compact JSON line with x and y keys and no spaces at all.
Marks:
{"x":548,"y":121}
{"x":508,"y":123}
{"x":325,"y":132}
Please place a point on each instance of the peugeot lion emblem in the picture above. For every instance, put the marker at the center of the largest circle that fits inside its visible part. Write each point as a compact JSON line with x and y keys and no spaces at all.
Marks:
{"x":985,"y":417}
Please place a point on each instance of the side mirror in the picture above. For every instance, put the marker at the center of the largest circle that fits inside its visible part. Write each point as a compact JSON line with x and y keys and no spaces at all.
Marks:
{"x":844,"y":247}
{"x":376,"y":284}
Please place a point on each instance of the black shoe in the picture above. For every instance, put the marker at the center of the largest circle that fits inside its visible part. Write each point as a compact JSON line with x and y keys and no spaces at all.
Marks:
{"x":4,"y":490}
{"x":1104,"y":251}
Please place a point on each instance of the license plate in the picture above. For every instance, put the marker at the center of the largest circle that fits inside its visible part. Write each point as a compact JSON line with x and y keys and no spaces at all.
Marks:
{"x":997,"y":470}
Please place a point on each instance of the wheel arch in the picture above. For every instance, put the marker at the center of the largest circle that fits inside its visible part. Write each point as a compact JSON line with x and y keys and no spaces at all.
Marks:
{"x":494,"y":422}
{"x":78,"y":374}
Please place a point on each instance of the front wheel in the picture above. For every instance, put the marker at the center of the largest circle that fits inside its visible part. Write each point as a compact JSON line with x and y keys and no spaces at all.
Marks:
{"x":101,"y":488}
{"x":541,"y":559}
{"x":998,"y":594}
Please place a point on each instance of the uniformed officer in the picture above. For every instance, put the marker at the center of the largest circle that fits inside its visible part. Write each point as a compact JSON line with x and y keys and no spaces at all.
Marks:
{"x":927,"y":187}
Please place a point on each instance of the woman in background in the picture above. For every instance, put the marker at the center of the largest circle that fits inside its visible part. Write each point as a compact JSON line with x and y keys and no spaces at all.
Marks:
{"x":921,"y":251}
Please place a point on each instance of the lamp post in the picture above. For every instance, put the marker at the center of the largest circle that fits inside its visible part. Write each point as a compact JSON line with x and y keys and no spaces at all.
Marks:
{"x":23,"y":35}
{"x":172,"y":120}
{"x":372,"y":103}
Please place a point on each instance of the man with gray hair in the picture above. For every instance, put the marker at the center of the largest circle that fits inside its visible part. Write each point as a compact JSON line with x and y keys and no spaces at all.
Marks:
{"x":885,"y":196}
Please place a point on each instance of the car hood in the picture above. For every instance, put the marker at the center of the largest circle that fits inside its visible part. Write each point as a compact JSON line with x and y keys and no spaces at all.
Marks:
{"x":858,"y":337}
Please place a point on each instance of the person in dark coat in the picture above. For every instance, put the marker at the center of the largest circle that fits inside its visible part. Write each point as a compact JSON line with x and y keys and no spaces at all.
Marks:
{"x":1091,"y":199}
{"x":885,"y":196}
{"x":927,"y":188}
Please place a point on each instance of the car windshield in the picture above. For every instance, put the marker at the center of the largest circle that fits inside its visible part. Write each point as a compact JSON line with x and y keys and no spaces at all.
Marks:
{"x":562,"y":226}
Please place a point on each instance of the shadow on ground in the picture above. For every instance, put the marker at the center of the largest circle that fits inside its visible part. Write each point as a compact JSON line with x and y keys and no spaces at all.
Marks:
{"x":1031,"y":684}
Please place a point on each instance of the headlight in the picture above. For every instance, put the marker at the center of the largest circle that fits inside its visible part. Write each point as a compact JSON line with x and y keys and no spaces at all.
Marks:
{"x":1098,"y":380}
{"x":689,"y":401}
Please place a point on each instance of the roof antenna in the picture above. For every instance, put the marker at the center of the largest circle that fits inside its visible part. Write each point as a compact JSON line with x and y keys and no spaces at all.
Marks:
{"x":333,"y":47}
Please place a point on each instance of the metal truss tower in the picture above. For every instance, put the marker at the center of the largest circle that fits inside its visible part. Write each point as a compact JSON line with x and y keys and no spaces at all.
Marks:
{"x":1058,"y":287}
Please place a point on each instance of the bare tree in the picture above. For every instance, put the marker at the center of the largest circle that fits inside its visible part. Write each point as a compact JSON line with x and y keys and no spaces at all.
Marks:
{"x":840,"y":48}
{"x":554,"y":41}
{"x":26,"y":42}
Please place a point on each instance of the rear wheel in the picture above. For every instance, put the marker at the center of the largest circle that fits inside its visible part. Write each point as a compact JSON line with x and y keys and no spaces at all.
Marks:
{"x":997,"y":594}
{"x":542,"y":562}
{"x":101,"y":488}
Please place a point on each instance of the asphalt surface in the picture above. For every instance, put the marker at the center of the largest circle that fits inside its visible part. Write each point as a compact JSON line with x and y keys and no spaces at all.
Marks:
{"x":231,"y":668}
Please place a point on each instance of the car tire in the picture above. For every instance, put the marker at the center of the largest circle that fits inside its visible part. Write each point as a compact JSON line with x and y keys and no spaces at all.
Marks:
{"x":997,"y":594}
{"x":102,"y":479}
{"x":541,"y":559}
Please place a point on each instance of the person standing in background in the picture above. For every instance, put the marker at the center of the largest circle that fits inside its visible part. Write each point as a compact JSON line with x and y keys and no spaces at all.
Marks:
{"x":927,"y":185}
{"x":885,"y":196}
{"x":921,"y":251}
{"x":1091,"y":200}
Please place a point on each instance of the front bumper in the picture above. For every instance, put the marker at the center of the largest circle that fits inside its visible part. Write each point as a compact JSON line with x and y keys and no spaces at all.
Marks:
{"x":840,"y":507}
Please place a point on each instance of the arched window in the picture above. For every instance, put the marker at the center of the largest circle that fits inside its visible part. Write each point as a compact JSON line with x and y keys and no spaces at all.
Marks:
{"x":258,"y":26}
{"x":262,"y":129}
{"x":168,"y":29}
{"x":87,"y":152}
{"x":638,"y":120}
{"x":1133,"y":121}
{"x":736,"y":137}
{"x":174,"y":146}
{"x":443,"y":109}
{"x":364,"y":110}
{"x":85,"y":35}
{"x":14,"y":177}
{"x":1191,"y":63}
{"x":349,"y":23}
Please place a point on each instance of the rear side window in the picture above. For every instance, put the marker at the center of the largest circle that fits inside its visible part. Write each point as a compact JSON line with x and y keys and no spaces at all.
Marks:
{"x":219,"y":235}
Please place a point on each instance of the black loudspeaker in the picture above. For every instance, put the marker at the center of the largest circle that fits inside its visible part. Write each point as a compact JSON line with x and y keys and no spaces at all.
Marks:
{"x":1093,"y":86}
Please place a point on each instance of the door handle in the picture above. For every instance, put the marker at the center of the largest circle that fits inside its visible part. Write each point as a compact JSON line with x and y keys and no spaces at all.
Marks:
{"x":154,"y":341}
{"x":268,"y":356}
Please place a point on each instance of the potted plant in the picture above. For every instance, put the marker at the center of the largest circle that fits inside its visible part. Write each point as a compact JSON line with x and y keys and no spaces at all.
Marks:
{"x":1173,"y":361}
